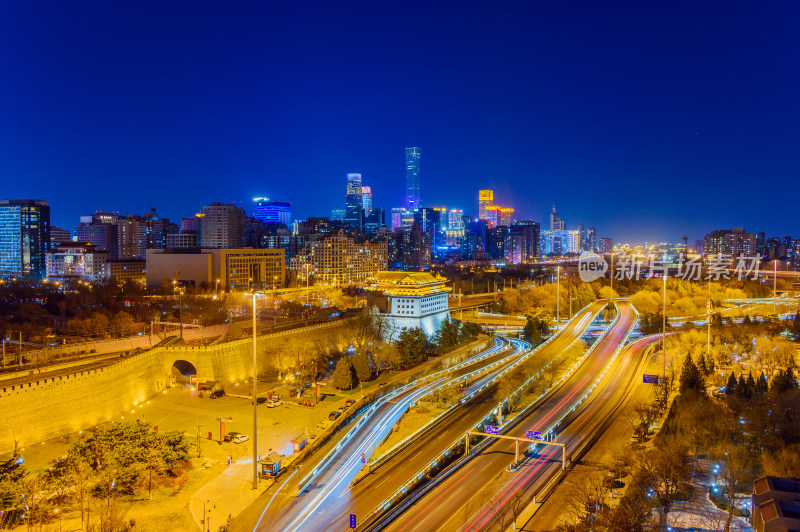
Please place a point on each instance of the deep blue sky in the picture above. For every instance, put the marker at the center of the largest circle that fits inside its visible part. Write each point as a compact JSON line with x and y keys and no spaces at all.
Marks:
{"x":646,"y":120}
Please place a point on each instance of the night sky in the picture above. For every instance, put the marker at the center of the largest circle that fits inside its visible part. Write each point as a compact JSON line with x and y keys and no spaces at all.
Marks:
{"x":648,"y":121}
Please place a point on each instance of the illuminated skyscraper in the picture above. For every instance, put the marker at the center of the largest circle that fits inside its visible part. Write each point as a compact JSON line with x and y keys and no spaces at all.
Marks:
{"x":556,"y":222}
{"x":273,"y":212}
{"x":366,"y":199}
{"x":485,"y":199}
{"x":24,"y":237}
{"x":354,"y":202}
{"x":412,"y":179}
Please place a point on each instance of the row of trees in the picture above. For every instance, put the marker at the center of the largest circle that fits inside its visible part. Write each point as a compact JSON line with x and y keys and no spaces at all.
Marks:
{"x":412,"y":347}
{"x":115,"y":460}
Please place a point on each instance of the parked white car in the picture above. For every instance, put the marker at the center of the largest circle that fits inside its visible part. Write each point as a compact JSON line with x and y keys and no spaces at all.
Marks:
{"x":240,"y":438}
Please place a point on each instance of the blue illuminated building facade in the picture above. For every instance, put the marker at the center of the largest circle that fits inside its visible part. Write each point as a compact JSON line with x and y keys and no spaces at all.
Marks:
{"x":24,"y":237}
{"x":273,"y":212}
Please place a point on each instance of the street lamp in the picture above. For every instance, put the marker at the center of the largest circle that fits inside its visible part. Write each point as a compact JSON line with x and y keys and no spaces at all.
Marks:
{"x":255,"y":400}
{"x":664,"y":330}
{"x":774,"y":285}
{"x":558,"y":296}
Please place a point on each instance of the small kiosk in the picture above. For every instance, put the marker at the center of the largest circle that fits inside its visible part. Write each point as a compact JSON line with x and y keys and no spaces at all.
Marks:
{"x":271,"y":465}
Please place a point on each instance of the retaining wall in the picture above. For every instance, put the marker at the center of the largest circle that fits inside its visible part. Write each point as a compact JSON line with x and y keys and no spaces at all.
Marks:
{"x":41,"y":409}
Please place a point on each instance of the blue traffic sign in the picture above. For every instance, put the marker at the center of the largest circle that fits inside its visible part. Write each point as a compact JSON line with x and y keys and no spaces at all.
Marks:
{"x":533,"y":435}
{"x":491,"y":429}
{"x":650,"y":379}
{"x":353,"y":521}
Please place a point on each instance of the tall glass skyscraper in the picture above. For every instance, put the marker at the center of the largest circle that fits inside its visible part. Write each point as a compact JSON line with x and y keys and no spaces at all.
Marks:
{"x":412,"y":179}
{"x":24,"y":237}
{"x":354,"y":202}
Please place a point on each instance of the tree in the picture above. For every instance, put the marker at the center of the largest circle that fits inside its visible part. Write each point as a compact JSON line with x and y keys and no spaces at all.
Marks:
{"x":412,"y":346}
{"x":691,"y":379}
{"x":362,"y":367}
{"x":607,"y":292}
{"x":795,"y":328}
{"x":12,"y":472}
{"x":535,"y":328}
{"x":666,"y":472}
{"x":742,"y":390}
{"x":783,"y":382}
{"x":730,"y":387}
{"x":344,"y":376}
{"x":449,"y":333}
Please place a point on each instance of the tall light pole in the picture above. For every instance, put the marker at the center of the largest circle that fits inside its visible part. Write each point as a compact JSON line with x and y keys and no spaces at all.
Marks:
{"x":664,"y":330}
{"x":708,"y":321}
{"x":558,"y":296}
{"x":255,"y":401}
{"x":308,"y":266}
{"x":774,"y":285}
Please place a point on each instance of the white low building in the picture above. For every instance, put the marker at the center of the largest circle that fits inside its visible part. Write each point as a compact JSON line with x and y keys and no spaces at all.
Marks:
{"x":409,"y":300}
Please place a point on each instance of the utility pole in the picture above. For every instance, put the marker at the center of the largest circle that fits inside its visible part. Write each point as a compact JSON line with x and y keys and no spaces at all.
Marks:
{"x":255,"y":401}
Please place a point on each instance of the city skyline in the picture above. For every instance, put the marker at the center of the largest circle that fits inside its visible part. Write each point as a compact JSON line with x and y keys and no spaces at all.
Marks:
{"x":185,"y":120}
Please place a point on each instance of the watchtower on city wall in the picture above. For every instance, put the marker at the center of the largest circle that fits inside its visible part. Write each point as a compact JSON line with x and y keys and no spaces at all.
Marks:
{"x":42,"y":409}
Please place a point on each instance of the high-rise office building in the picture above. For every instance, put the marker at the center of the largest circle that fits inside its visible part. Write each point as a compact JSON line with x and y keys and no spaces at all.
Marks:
{"x":337,"y":213}
{"x":455,"y":221}
{"x":559,"y":242}
{"x":528,"y":231}
{"x":606,"y":245}
{"x":591,"y":239}
{"x":375,"y":220}
{"x":354,"y":202}
{"x":191,"y":225}
{"x":485,"y":199}
{"x":556,"y":222}
{"x":58,"y":235}
{"x":273,"y":212}
{"x":101,"y":230}
{"x":413,"y":200}
{"x":132,"y":238}
{"x":24,"y":237}
{"x":222,"y":226}
{"x":398,"y":213}
{"x":366,"y":199}
{"x":415,"y":248}
{"x":156,"y":230}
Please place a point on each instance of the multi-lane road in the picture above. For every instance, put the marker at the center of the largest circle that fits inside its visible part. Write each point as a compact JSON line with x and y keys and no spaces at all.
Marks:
{"x":474,"y":495}
{"x":335,"y":474}
{"x":376,"y":488}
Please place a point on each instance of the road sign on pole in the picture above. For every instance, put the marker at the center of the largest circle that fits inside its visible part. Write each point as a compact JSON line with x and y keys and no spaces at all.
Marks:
{"x":650,"y":379}
{"x":533,"y":435}
{"x":491,"y":429}
{"x":353,"y":521}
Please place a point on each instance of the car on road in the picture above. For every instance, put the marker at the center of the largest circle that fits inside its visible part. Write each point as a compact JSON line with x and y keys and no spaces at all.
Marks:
{"x":273,"y":402}
{"x":260,"y":400}
{"x":231,"y":435}
{"x":334,"y":415}
{"x":349,"y":403}
{"x":240,"y":438}
{"x":217,"y":394}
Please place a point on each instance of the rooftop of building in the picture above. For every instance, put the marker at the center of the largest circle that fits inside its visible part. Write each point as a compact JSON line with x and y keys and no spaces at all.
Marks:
{"x":765,"y":484}
{"x":408,"y":283}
